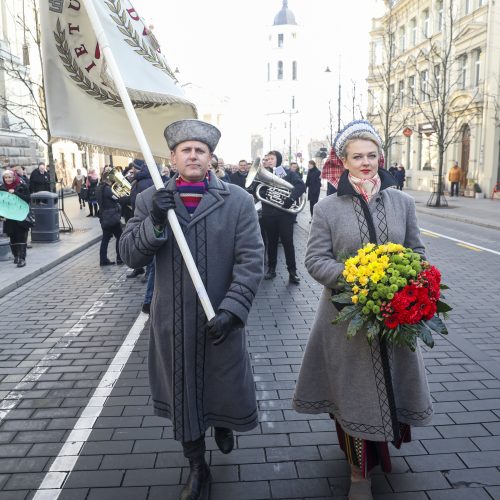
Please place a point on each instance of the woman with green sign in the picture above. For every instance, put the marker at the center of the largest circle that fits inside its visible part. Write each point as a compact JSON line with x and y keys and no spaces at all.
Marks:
{"x":16,"y":230}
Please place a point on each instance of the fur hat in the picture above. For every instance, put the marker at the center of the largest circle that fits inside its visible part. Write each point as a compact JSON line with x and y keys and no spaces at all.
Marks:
{"x":352,"y":128}
{"x":192,"y":130}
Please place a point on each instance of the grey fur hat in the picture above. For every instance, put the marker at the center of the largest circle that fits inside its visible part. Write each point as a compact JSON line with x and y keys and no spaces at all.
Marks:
{"x":191,"y":130}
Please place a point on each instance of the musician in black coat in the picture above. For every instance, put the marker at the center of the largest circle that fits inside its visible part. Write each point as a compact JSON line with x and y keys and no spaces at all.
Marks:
{"x":313,"y":184}
{"x":278,"y":224}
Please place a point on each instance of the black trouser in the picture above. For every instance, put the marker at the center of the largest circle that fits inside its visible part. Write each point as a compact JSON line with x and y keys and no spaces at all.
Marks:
{"x":18,"y":241}
{"x":107,"y":234}
{"x":312,"y":202}
{"x":280,"y":227}
{"x":81,"y":200}
{"x":454,"y":188}
{"x":93,"y":208}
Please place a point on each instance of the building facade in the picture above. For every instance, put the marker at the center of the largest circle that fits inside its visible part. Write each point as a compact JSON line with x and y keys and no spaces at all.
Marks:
{"x":434,"y":79}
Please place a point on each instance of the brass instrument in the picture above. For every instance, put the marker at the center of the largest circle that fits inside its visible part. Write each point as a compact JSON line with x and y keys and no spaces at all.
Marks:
{"x":272,"y":189}
{"x":120,"y":186}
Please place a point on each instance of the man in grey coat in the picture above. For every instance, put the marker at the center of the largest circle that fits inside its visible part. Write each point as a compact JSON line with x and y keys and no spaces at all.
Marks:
{"x":200,"y":374}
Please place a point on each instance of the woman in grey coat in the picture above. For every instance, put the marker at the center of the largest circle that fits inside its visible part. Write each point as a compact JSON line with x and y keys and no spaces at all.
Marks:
{"x":200,"y":374}
{"x":373,"y":392}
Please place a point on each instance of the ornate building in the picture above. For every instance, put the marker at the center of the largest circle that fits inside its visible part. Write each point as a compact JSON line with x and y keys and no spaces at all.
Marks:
{"x":434,"y":81}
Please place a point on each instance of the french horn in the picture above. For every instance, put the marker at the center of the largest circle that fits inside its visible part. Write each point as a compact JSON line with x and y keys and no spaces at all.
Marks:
{"x":271,"y":189}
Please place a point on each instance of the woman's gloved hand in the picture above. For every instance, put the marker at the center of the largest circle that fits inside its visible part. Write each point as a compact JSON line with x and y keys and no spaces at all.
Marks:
{"x":220,"y":326}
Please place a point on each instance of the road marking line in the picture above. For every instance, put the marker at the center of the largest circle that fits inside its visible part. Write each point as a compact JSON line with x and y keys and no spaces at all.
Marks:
{"x":469,"y":247}
{"x":60,"y":469}
{"x":429,"y":234}
{"x":461,"y":241}
{"x":14,"y":397}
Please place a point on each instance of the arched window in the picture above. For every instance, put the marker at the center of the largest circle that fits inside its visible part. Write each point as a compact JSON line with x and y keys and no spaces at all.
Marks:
{"x":294,"y":70}
{"x":280,"y":70}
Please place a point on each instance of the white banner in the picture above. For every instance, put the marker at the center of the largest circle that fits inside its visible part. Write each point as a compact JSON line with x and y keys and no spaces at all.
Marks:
{"x":82,"y":102}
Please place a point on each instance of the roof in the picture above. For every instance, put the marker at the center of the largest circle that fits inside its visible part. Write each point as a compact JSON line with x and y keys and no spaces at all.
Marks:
{"x":284,"y":16}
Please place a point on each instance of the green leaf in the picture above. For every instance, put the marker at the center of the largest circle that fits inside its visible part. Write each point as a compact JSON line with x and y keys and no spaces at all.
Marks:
{"x":373,"y":329}
{"x":425,"y":334}
{"x":444,"y":287}
{"x":346,"y":314}
{"x":342,"y":298}
{"x":437,"y":325}
{"x":443,"y":307}
{"x":355,"y":325}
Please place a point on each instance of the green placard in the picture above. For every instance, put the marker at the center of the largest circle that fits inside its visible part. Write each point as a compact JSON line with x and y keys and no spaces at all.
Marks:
{"x":12,"y":207}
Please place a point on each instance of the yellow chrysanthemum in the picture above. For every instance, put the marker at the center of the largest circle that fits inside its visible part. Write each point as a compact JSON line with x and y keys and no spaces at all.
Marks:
{"x":354,"y":299}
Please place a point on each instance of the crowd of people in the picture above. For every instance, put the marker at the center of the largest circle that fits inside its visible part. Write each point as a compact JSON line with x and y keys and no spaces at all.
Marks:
{"x":233,"y":221}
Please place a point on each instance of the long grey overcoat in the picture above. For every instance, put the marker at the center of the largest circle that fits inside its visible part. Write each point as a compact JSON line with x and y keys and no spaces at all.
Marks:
{"x":194,"y":383}
{"x":369,"y":389}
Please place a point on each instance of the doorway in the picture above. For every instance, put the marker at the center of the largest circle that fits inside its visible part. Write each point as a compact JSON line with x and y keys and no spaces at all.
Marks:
{"x":464,"y":160}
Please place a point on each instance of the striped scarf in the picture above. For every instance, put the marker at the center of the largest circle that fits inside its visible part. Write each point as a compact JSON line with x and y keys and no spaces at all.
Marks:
{"x":366,"y":187}
{"x":191,"y":193}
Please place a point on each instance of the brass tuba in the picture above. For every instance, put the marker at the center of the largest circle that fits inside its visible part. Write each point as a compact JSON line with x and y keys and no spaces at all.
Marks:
{"x":120,"y":186}
{"x":272,"y":189}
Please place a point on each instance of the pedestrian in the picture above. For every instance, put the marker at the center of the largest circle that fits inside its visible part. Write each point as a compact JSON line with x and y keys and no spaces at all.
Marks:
{"x":240,"y":176}
{"x":21,"y":172}
{"x":91,"y":184}
{"x":39,"y":179}
{"x":313,"y":185}
{"x":332,"y":170}
{"x":110,"y":218}
{"x":374,"y":392}
{"x":455,"y":177}
{"x":79,"y":186}
{"x":400,"y":176}
{"x":200,"y":373}
{"x":17,"y":231}
{"x":278,"y":223}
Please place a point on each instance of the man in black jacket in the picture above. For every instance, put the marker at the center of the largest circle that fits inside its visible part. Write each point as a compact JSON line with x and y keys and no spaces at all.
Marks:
{"x":313,"y":185}
{"x":240,"y":176}
{"x":278,"y":224}
{"x":39,"y":179}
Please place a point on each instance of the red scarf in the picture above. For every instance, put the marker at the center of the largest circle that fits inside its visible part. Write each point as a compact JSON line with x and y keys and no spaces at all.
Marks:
{"x":367,"y":188}
{"x":15,"y":182}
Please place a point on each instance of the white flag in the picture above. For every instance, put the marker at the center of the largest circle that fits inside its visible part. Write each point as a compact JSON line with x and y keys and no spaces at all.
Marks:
{"x":82,"y":102}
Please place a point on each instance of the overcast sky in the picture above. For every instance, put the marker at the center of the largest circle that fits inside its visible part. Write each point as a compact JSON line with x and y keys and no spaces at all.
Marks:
{"x":220,"y":44}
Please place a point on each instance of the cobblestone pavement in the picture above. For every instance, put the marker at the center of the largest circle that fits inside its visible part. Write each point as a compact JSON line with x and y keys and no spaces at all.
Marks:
{"x":60,"y":331}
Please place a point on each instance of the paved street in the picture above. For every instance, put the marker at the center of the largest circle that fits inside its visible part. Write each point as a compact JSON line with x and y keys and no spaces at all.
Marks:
{"x":61,"y":331}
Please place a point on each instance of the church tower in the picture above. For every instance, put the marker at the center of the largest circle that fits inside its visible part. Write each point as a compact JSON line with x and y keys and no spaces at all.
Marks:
{"x":282,"y":85}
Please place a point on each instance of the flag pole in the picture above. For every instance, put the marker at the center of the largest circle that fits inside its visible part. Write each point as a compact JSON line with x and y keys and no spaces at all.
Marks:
{"x":148,"y":156}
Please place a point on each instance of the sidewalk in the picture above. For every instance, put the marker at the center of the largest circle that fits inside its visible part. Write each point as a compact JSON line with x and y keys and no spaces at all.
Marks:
{"x":44,"y":256}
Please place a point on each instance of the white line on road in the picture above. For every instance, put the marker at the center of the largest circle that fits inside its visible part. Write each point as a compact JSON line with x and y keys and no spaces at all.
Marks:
{"x":13,"y":397}
{"x":460,"y":241}
{"x":61,"y":467}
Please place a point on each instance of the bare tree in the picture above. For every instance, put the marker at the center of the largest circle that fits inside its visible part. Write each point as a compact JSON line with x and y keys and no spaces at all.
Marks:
{"x":386,"y":110}
{"x":28,"y":106}
{"x":441,"y":77}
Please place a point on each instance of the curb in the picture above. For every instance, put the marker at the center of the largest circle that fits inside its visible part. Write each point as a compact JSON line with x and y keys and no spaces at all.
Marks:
{"x":457,"y":218}
{"x":47,"y":267}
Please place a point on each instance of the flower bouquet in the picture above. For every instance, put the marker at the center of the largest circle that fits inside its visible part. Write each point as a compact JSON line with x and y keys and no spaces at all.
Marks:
{"x":391,"y":293}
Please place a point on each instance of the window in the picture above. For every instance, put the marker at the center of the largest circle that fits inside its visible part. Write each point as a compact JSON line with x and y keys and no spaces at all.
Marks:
{"x":392,"y":95}
{"x":411,"y":90}
{"x":268,"y":72}
{"x":477,"y":67}
{"x":281,"y":39}
{"x":401,"y":93}
{"x":467,"y":6}
{"x":425,"y":23}
{"x":294,"y":70}
{"x":402,"y":39}
{"x":462,"y":79}
{"x":439,"y":15}
{"x":413,"y":31}
{"x":280,"y":70}
{"x":437,"y":79}
{"x":424,"y":85}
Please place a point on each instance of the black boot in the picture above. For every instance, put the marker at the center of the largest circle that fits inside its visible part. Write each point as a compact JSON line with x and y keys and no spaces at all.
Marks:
{"x":271,"y":273}
{"x":293,"y":277}
{"x":196,"y":487}
{"x":13,"y":249}
{"x":224,"y":439}
{"x":21,"y":254}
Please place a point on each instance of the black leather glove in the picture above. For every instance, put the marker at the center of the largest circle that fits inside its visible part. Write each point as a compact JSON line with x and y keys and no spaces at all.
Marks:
{"x":287,"y":203}
{"x":163,"y":201}
{"x":220,"y":326}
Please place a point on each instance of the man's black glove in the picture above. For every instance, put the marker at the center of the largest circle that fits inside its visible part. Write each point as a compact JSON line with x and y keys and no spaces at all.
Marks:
{"x":163,"y":201}
{"x":287,"y":203}
{"x":220,"y":326}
